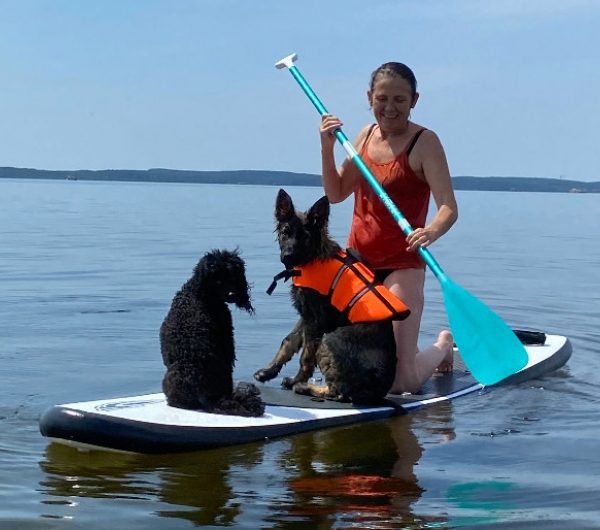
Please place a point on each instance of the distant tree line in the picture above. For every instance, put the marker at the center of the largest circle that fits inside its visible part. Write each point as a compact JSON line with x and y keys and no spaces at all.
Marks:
{"x":286,"y":178}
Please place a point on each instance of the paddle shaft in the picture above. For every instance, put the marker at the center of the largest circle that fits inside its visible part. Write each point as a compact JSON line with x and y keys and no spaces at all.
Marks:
{"x":366,"y":172}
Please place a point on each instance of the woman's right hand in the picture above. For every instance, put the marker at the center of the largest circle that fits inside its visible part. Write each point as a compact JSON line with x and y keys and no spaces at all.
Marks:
{"x":329,"y":124}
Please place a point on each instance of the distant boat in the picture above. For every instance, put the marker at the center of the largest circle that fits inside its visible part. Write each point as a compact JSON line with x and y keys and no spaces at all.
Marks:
{"x":70,"y":177}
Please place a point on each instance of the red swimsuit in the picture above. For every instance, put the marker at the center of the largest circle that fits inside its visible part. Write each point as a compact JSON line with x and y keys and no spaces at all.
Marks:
{"x":374,"y":232}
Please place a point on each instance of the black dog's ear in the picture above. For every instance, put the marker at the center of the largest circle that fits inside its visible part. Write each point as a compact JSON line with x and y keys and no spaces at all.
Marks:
{"x":205,"y":267}
{"x":284,"y":208}
{"x":319,"y":212}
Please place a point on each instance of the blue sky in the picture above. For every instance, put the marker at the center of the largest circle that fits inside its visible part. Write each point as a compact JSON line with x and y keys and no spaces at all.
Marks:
{"x":512,"y":87}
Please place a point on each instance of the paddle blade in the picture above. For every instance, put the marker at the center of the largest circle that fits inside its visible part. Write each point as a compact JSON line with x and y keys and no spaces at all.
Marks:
{"x":489,"y":348}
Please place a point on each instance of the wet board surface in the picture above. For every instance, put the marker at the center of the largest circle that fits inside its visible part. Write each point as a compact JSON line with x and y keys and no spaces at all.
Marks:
{"x":146,"y":424}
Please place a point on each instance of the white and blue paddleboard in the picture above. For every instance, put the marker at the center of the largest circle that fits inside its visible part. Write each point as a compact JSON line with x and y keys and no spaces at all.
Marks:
{"x":146,"y":424}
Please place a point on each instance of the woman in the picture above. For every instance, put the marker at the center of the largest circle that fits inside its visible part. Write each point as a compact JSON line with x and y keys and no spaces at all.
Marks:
{"x":409,"y":162}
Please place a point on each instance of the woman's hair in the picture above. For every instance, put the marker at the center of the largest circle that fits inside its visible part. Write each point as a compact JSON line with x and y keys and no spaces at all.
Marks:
{"x":398,"y":69}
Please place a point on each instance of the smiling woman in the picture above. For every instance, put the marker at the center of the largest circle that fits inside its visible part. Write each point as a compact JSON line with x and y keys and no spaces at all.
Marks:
{"x":393,"y":93}
{"x":409,"y":163}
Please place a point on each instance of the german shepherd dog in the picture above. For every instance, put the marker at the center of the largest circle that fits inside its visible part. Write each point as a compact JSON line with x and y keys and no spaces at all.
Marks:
{"x":357,"y":360}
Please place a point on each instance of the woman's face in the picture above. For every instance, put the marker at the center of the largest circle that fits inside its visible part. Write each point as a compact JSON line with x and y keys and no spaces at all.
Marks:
{"x":391,"y":100}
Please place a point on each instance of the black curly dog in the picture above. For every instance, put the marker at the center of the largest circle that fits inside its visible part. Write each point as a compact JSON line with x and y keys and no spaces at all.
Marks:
{"x":357,"y":360}
{"x":197,"y":344}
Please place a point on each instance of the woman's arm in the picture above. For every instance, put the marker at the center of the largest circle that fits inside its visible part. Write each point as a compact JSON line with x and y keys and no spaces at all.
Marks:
{"x":338,"y":184}
{"x":434,"y":168}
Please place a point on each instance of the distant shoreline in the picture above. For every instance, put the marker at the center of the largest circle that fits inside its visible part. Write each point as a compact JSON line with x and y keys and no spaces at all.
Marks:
{"x":286,"y":178}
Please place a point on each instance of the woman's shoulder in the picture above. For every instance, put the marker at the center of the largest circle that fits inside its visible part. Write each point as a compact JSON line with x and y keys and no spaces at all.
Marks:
{"x":428,"y":138}
{"x":366,"y":131}
{"x":363,"y":134}
{"x":422,"y":129}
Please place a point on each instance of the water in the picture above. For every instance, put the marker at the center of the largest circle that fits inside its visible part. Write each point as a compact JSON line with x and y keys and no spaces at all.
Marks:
{"x":87,"y":272}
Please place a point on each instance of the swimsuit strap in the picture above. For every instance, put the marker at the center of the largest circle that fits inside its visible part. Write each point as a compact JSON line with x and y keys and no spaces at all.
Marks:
{"x":407,"y":150}
{"x":414,"y":141}
{"x":369,"y":132}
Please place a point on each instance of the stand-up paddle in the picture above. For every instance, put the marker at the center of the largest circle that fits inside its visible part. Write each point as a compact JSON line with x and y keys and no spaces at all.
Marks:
{"x":489,"y":348}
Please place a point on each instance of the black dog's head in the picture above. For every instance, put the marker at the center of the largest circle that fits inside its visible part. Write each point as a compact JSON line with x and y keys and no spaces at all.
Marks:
{"x":222,"y":273}
{"x":302,"y":236}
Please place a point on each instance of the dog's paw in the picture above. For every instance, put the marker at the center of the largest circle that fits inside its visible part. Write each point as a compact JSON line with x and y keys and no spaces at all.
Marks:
{"x":302,"y":388}
{"x":262,"y":375}
{"x":288,"y":382}
{"x":318,"y":392}
{"x":246,"y":390}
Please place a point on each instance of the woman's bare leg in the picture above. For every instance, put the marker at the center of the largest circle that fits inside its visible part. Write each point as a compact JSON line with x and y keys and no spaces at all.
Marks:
{"x":414,"y":367}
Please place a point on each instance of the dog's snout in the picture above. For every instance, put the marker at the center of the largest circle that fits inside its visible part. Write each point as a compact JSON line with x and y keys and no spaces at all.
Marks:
{"x":287,"y":251}
{"x":287,"y":258}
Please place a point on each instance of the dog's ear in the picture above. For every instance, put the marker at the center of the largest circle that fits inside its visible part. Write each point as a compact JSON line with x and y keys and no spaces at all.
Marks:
{"x":284,"y":207}
{"x":319,"y":212}
{"x":205,"y":267}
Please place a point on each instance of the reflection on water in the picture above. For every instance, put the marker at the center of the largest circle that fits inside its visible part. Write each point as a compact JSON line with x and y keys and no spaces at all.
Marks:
{"x":353,"y":476}
{"x":359,"y":475}
{"x":192,"y":486}
{"x":481,"y":500}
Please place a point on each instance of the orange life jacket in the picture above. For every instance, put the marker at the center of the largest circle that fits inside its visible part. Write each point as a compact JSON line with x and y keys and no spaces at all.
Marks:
{"x":351,"y":288}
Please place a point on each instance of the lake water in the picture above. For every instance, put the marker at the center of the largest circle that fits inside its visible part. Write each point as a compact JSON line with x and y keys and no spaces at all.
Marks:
{"x":87,"y":273}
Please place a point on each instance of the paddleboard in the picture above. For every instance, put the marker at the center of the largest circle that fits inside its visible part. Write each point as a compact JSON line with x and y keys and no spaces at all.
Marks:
{"x":146,"y":424}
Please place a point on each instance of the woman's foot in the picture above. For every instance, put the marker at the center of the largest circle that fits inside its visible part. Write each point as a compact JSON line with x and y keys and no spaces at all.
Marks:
{"x":445,"y":342}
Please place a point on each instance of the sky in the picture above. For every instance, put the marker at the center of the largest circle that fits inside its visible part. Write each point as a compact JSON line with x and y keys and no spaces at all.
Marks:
{"x":511,"y":87}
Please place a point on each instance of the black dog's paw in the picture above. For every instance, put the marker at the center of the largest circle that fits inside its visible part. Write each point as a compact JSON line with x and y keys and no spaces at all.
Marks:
{"x":248,"y":397}
{"x":244,"y":401}
{"x":246,"y":390}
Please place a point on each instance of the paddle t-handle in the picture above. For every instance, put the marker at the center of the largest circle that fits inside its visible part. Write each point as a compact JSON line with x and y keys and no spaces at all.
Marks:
{"x":489,"y":348}
{"x":288,"y":62}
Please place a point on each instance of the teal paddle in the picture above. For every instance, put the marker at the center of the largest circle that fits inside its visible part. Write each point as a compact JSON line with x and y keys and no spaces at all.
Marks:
{"x":489,"y":348}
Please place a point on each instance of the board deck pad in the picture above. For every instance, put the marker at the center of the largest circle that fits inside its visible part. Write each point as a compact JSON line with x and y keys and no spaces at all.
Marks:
{"x":147,"y":424}
{"x":440,"y":385}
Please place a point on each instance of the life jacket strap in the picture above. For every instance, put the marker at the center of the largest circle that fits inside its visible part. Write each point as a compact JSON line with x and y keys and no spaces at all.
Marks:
{"x":284,"y":275}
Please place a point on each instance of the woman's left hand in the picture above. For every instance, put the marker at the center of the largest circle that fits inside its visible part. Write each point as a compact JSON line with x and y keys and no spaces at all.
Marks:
{"x":421,"y":237}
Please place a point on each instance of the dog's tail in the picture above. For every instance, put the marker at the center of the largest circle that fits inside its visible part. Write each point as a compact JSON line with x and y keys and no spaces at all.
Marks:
{"x":244,"y":401}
